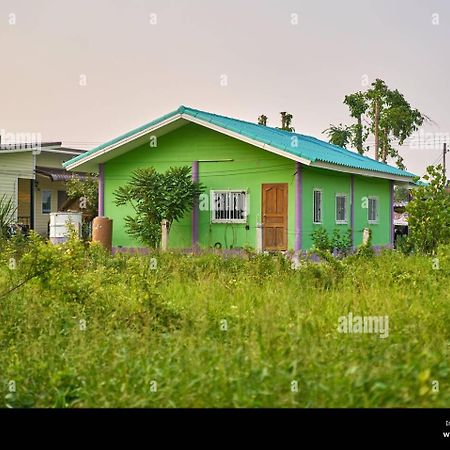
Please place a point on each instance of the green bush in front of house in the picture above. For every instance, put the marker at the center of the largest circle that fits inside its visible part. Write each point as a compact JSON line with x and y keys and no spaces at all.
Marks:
{"x":80,"y":328}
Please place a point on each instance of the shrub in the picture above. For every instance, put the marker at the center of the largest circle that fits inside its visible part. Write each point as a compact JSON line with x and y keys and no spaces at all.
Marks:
{"x":320,"y":239}
{"x":7,"y":212}
{"x":340,"y":241}
{"x":429,"y":213}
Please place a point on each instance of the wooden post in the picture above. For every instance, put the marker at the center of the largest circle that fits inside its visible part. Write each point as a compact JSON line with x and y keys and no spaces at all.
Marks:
{"x":164,"y":234}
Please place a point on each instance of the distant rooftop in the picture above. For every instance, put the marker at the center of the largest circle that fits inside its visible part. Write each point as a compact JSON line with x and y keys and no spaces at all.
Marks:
{"x":44,"y":146}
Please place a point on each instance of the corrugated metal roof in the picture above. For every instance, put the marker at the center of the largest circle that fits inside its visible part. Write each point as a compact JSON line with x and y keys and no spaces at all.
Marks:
{"x":303,"y":146}
{"x":60,"y":174}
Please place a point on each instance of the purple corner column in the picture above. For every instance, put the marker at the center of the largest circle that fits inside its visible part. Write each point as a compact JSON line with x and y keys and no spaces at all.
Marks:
{"x":298,"y":207}
{"x":101,"y":190}
{"x":352,"y":207}
{"x":391,"y":214}
{"x":195,"y":211}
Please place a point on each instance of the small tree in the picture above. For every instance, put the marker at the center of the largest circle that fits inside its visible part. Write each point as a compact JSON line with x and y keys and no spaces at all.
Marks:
{"x":429,"y":213}
{"x":155,"y":196}
{"x":85,"y":189}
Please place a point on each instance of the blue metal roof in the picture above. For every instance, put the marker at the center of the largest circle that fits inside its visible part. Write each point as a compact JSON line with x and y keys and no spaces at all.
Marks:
{"x":307,"y":147}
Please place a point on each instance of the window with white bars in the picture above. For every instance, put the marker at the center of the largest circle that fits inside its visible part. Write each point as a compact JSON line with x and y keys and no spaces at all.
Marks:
{"x":229,"y":206}
{"x":317,"y":206}
{"x":372,"y":210}
{"x":341,"y":208}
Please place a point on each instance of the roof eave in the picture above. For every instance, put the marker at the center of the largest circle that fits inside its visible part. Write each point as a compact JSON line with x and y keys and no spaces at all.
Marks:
{"x":86,"y":158}
{"x":364,"y":172}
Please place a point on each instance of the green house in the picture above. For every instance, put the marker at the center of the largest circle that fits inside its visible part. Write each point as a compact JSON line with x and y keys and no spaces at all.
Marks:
{"x":265,"y":187}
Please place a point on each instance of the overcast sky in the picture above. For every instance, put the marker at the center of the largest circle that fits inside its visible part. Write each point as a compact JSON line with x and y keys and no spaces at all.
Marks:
{"x":84,"y":71}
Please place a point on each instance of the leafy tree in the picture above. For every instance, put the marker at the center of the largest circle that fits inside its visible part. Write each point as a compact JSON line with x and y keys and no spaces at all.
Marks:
{"x":429,"y":213}
{"x":357,"y":104}
{"x":392,"y":119}
{"x":382,"y":112}
{"x":84,"y":189}
{"x":156,"y":196}
{"x":401,"y":193}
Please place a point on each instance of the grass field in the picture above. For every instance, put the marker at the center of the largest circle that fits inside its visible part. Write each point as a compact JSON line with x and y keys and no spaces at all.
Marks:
{"x":91,"y":330}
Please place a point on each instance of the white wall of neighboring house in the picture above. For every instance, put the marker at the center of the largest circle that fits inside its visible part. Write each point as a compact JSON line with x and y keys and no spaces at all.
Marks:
{"x":12,"y":167}
{"x":21,"y":164}
{"x":47,"y":159}
{"x":41,"y":220}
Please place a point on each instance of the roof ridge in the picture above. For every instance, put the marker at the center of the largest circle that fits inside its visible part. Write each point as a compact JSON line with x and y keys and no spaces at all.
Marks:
{"x":344,"y":151}
{"x":263,"y":127}
{"x":308,"y":147}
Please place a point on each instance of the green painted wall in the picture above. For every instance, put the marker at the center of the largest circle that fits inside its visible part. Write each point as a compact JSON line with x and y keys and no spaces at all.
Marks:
{"x":377,"y":187}
{"x":250,"y":168}
{"x":330,"y":183}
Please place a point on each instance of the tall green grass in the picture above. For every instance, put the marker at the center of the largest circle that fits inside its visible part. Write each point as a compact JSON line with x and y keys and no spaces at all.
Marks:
{"x":90,"y":330}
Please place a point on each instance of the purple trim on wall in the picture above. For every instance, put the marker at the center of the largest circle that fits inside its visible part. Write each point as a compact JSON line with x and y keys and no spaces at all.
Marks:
{"x":101,"y":190}
{"x":195,"y":211}
{"x":391,"y":214}
{"x":298,"y":207}
{"x":352,"y":207}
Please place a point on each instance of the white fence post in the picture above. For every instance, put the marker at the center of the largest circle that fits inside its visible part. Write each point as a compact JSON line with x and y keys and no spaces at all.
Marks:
{"x":259,"y":237}
{"x":366,"y":235}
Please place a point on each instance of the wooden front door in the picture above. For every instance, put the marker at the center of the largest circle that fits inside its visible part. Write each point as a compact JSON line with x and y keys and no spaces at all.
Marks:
{"x":275,"y":216}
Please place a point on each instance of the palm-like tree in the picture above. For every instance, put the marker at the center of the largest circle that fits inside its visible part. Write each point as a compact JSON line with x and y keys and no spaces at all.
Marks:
{"x":340,"y":135}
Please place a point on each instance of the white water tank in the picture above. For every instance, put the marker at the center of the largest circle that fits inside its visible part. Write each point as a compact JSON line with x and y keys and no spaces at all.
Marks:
{"x":60,"y":223}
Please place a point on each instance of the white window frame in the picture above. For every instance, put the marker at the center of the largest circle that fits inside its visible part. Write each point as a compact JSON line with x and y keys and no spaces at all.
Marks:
{"x":321,"y":206}
{"x":228,"y":191}
{"x":377,"y":209}
{"x":345,"y":220}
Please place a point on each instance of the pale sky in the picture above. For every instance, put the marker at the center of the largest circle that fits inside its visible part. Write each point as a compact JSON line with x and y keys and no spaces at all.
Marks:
{"x":84,"y":71}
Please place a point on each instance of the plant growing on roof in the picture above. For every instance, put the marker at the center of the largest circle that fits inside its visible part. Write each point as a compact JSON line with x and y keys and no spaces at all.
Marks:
{"x":156,"y":196}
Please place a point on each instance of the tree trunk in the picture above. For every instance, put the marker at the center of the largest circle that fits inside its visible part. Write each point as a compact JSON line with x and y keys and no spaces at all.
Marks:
{"x":384,"y":148}
{"x":376,"y":130}
{"x":360,"y":136}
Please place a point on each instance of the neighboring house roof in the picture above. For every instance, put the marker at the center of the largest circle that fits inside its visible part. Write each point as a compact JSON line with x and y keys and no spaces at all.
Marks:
{"x":401,"y":219}
{"x":421,"y":183}
{"x":299,"y":147}
{"x":50,"y":147}
{"x":401,"y":203}
{"x":59,"y":174}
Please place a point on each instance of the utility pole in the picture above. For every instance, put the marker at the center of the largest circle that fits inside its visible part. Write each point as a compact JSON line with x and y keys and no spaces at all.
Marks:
{"x":443,"y":156}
